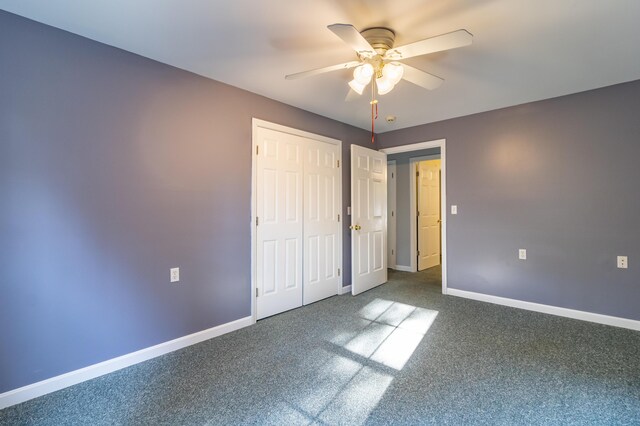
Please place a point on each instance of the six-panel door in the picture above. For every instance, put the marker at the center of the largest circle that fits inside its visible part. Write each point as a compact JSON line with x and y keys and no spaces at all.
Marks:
{"x":323,"y":251}
{"x":428,"y":214}
{"x":280,"y":221}
{"x":368,"y":218}
{"x":299,"y":251}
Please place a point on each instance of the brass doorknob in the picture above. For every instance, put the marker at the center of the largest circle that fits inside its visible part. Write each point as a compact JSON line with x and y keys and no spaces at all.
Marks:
{"x":355,"y":227}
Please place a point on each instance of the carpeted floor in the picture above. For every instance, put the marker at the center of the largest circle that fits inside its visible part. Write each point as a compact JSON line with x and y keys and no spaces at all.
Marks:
{"x":399,"y":354}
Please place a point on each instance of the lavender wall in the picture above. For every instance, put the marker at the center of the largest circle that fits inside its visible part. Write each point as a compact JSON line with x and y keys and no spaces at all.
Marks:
{"x":557,"y":177}
{"x":113,"y":169}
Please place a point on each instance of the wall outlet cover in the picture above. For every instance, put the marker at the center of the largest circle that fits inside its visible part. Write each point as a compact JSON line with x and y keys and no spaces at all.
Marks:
{"x":623,"y":262}
{"x":454,"y":209}
{"x":174,"y":275}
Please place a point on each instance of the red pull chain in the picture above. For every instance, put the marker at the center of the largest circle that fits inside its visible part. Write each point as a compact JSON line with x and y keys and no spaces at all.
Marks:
{"x":374,"y":102}
{"x":372,"y":124}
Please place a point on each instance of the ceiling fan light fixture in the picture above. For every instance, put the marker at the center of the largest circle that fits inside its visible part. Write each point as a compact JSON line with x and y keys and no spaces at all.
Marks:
{"x":363,"y":73}
{"x":357,"y":87}
{"x":378,"y":58}
{"x":385,"y":85}
{"x":393,"y":71}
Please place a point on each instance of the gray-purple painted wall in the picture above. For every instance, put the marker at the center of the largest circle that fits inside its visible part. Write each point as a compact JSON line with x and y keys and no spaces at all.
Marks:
{"x":113,"y":169}
{"x":559,"y":178}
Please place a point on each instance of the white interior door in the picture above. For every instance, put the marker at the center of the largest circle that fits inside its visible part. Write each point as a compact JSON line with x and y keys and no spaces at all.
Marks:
{"x":280,"y":223}
{"x":322,"y":243}
{"x":391,"y":213}
{"x":428,"y":214}
{"x":368,"y":218}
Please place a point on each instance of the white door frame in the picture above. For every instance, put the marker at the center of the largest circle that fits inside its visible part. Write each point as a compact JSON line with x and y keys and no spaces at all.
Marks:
{"x":439,"y":143}
{"x":413,"y":207}
{"x":255,"y":124}
{"x":392,"y":212}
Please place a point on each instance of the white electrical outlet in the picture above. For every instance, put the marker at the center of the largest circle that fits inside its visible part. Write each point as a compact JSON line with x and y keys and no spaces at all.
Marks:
{"x":522,"y":254}
{"x":623,"y":262}
{"x":174,"y":274}
{"x":454,"y":209}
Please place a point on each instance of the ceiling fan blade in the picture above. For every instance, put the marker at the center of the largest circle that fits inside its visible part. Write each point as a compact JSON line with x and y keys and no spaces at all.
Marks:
{"x":430,"y":45}
{"x":421,"y":78}
{"x":310,"y":73}
{"x":353,"y":38}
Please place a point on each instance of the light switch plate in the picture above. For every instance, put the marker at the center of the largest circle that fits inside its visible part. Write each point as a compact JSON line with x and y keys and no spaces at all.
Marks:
{"x":522,"y":254}
{"x":454,"y":209}
{"x":174,"y":275}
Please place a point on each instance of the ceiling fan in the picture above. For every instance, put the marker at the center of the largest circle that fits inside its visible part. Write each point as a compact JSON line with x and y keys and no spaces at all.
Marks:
{"x":378,"y":59}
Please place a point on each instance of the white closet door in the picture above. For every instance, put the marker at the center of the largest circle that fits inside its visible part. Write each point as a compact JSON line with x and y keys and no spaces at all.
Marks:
{"x":368,"y":218}
{"x":279,"y":231}
{"x":322,"y":248}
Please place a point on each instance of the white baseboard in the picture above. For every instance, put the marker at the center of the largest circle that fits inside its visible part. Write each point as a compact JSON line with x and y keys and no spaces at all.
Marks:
{"x":345,"y":289}
{"x":53,"y":384}
{"x":403,"y":268}
{"x":547,"y":309}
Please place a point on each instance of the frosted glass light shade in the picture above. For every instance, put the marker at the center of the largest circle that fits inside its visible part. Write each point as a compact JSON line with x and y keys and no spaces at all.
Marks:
{"x":393,"y":71}
{"x":385,"y":85}
{"x":357,"y":87}
{"x":362,"y":74}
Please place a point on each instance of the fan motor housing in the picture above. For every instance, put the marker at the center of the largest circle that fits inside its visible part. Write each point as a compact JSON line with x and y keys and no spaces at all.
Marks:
{"x":380,"y":38}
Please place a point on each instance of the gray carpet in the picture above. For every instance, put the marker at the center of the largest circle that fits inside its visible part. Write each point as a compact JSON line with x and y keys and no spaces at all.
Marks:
{"x":399,"y":354}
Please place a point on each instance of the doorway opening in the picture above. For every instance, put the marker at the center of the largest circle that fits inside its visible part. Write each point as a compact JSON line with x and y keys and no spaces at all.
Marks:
{"x":417,"y":211}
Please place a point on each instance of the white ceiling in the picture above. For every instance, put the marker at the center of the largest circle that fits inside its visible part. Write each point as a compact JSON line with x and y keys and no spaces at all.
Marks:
{"x":523,"y":50}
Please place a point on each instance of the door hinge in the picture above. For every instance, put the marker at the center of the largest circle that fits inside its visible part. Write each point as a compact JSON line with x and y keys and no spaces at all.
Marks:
{"x":418,"y":252}
{"x":391,"y":213}
{"x":257,"y":149}
{"x":338,"y":218}
{"x":417,"y":174}
{"x":391,"y":251}
{"x":338,"y":163}
{"x":256,"y":291}
{"x":338,"y":271}
{"x":418,"y":213}
{"x":257,"y":220}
